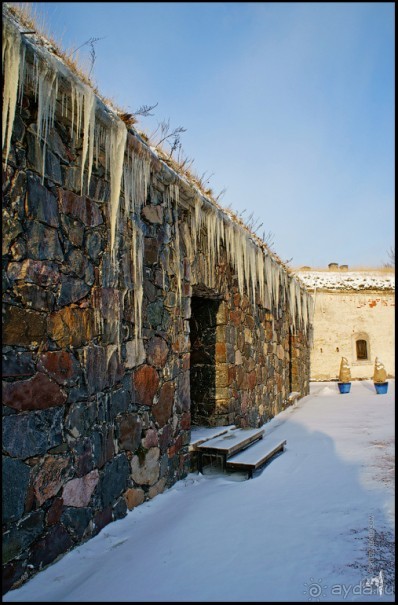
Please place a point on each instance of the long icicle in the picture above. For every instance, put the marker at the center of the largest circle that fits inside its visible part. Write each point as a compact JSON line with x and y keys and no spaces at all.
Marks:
{"x":88,"y":134}
{"x":116,"y":155}
{"x":11,"y":62}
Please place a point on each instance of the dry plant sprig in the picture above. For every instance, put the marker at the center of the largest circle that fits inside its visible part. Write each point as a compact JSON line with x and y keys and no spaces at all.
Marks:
{"x":144,"y":110}
{"x":91,"y":41}
{"x":166,"y":134}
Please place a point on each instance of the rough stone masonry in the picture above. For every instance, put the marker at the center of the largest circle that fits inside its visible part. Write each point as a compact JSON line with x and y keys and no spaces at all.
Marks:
{"x":123,"y":321}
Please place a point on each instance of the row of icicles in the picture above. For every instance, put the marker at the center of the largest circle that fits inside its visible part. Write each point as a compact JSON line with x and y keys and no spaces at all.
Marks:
{"x":258,"y":273}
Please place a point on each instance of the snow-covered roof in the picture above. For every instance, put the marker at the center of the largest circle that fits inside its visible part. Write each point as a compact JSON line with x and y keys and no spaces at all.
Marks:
{"x":371,"y":279}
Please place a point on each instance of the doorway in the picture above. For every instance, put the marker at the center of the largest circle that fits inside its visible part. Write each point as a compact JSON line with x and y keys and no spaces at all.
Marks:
{"x":203,"y":324}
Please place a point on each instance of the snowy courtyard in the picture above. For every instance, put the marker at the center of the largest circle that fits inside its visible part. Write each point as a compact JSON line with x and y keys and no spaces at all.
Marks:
{"x":315,"y":524}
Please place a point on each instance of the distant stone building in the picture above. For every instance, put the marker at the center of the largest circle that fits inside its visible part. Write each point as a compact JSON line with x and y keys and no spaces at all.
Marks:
{"x":354,"y":313}
{"x":133,"y":307}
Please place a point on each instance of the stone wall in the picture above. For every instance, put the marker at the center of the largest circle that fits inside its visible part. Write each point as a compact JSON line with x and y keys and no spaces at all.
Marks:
{"x":341,"y":318}
{"x":98,"y":362}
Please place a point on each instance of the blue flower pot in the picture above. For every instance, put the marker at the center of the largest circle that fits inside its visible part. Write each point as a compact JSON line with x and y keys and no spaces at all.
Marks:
{"x":344,"y":387}
{"x":381,"y":388}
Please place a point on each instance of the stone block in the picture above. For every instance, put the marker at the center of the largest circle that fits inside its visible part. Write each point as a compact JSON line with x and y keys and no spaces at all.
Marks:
{"x":15,"y":482}
{"x":76,"y":520}
{"x":54,"y":512}
{"x":44,"y":243}
{"x":150,"y":439}
{"x":102,"y":445}
{"x":129,"y":429}
{"x":135,"y":353}
{"x":50,"y":477}
{"x":35,"y":297}
{"x":152,"y":214}
{"x":101,"y":519}
{"x":158,"y":488}
{"x":119,"y":509}
{"x":40,"y":204}
{"x":32,"y":433}
{"x":157,"y":351}
{"x":221,"y":375}
{"x":61,"y":366}
{"x":134,"y":497}
{"x":72,"y":289}
{"x":151,"y":251}
{"x":37,"y":393}
{"x":145,"y":383}
{"x":94,"y":244}
{"x":11,"y":228}
{"x":80,"y":207}
{"x":78,"y":492}
{"x":162,"y":411}
{"x":22,"y":327}
{"x":183,"y":400}
{"x":114,"y":479}
{"x":145,"y":469}
{"x":41,"y":273}
{"x":55,"y":542}
{"x":16,"y":364}
{"x":20,"y":537}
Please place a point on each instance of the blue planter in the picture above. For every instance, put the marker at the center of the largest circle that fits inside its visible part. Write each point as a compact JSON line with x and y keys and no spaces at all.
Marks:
{"x":381,"y":388}
{"x":344,"y":387}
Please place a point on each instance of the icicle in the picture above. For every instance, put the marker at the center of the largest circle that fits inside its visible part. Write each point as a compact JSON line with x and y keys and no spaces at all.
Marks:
{"x":270,"y":285}
{"x":298,"y":302}
{"x":137,"y":250}
{"x":136,"y":175}
{"x":175,"y":195}
{"x":11,"y":64}
{"x":187,"y":237}
{"x":196,"y":223}
{"x":96,"y":145}
{"x":304,"y":311}
{"x":72,"y":118}
{"x":275,"y":276}
{"x":47,"y":96}
{"x":117,"y":146}
{"x":88,"y":134}
{"x":292,"y":304}
{"x":22,"y":75}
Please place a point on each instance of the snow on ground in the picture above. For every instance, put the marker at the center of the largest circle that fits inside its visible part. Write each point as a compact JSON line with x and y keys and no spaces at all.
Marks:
{"x":315,"y":524}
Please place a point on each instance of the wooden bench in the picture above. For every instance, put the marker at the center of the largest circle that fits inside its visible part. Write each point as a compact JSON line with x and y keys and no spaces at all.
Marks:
{"x":201,"y":434}
{"x":255,"y":456}
{"x":225,"y":446}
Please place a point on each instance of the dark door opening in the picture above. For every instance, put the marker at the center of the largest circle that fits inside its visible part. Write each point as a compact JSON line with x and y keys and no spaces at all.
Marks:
{"x":203,"y":324}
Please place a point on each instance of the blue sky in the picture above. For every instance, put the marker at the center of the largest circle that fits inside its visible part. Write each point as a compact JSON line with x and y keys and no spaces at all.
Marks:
{"x":289,"y":106}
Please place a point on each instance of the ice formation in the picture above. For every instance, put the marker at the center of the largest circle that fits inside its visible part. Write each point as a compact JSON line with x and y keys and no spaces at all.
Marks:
{"x":88,"y":134}
{"x":116,"y":160}
{"x":11,"y":55}
{"x":220,"y":237}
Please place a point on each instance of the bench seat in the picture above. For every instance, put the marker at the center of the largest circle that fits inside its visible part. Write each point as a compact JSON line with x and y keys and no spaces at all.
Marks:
{"x":201,"y":434}
{"x":255,"y":456}
{"x":228,"y":444}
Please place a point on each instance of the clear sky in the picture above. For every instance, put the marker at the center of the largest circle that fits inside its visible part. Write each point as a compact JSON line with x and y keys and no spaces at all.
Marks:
{"x":289,"y":106}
